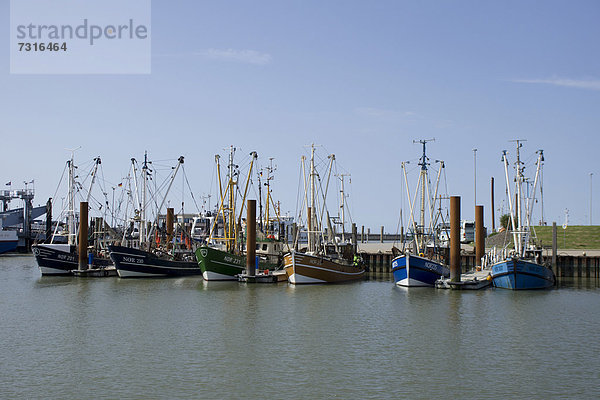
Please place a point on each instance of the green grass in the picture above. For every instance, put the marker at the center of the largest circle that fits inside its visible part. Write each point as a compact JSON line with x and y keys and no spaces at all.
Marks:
{"x":574,"y":237}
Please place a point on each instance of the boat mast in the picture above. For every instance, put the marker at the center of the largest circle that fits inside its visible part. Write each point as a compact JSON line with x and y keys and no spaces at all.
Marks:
{"x":97,"y":162}
{"x":270,"y":170}
{"x":231,"y":201}
{"x":72,"y":237}
{"x":411,"y":207}
{"x":220,"y":210}
{"x":343,"y":207}
{"x":510,"y":199}
{"x":238,"y":226}
{"x":308,"y":210}
{"x":312,"y":197}
{"x":433,"y":219}
{"x":145,"y":171}
{"x":520,"y":178}
{"x":260,"y":213}
{"x":531,"y":200}
{"x":135,"y":184}
{"x":179,"y":163}
{"x":423,"y":162}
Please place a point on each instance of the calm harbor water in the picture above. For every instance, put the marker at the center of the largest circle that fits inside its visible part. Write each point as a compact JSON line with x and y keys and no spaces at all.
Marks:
{"x":184,"y":338}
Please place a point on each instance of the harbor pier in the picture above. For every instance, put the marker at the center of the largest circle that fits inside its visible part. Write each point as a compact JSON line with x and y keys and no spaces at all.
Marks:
{"x":567,"y":265}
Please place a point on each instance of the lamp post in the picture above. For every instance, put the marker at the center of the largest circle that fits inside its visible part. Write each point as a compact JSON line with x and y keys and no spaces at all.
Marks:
{"x":475,"y":175}
{"x":591,"y":175}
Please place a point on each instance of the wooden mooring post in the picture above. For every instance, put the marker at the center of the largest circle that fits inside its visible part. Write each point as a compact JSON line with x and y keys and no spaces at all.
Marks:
{"x":83,"y":235}
{"x":479,"y":236}
{"x":455,"y":239}
{"x":251,"y":238}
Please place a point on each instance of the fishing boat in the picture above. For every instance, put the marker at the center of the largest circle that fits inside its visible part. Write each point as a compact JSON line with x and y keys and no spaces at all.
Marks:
{"x":135,"y":263}
{"x":270,"y":235}
{"x":322,"y":261}
{"x":522,"y":268}
{"x":8,"y":240}
{"x":422,"y":262}
{"x":222,"y":259}
{"x":60,"y":256}
{"x":149,"y":255}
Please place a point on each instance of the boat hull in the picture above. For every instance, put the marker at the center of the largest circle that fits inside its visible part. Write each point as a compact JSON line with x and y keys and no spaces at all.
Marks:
{"x":8,"y":241}
{"x":134,"y":263}
{"x":218,"y":265}
{"x":61,"y":259}
{"x":516,"y":274}
{"x":411,"y":270}
{"x":302,"y":268}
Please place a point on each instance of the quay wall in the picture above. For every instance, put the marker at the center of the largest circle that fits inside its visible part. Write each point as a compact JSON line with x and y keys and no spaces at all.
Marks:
{"x":566,"y":266}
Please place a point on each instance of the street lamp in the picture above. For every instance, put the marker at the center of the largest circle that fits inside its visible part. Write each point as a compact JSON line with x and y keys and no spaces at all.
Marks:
{"x":475,"y":175}
{"x":591,"y":175}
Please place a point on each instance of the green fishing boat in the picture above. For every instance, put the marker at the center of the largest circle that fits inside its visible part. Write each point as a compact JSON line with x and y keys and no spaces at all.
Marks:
{"x":219,"y":265}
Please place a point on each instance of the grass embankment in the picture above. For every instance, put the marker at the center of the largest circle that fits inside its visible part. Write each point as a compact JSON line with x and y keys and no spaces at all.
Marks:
{"x":574,"y":237}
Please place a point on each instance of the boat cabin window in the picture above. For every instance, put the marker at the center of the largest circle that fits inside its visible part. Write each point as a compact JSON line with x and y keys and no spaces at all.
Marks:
{"x":264,"y":246}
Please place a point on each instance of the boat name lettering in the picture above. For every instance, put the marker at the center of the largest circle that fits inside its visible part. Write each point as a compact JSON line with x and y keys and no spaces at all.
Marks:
{"x":133,"y":260}
{"x":431,"y":265}
{"x":232,"y":260}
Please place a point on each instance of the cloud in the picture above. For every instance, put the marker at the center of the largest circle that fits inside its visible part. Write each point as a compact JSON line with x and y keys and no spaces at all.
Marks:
{"x":240,"y":56}
{"x":589,"y":84}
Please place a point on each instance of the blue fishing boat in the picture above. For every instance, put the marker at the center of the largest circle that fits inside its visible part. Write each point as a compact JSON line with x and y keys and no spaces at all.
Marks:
{"x":413,"y":270}
{"x":421,"y":263}
{"x":521,"y":267}
{"x":519,"y":274}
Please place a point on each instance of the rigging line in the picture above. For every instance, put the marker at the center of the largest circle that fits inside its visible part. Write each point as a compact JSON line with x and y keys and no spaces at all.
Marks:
{"x":188,"y":184}
{"x":60,"y":181}
{"x":297,"y":213}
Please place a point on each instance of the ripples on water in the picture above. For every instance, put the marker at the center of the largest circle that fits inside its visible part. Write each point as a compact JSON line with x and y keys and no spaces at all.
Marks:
{"x":185,"y":338}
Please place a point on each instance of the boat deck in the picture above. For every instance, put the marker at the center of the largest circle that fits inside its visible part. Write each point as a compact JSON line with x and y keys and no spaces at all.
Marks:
{"x":468,"y":281}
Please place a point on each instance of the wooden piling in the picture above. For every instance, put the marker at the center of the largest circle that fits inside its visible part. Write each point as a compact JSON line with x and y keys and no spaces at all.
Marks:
{"x":455,"y":238}
{"x":251,"y":238}
{"x":381,"y":235}
{"x":479,"y":235}
{"x":48,"y":221}
{"x":362,"y":234}
{"x":83,"y":235}
{"x":170,"y":218}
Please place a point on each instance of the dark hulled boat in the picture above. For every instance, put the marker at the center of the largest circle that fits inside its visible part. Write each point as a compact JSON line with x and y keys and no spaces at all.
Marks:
{"x":131,"y":262}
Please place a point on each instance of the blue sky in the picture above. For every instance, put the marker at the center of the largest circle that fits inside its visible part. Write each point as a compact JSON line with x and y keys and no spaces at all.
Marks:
{"x":363,"y":79}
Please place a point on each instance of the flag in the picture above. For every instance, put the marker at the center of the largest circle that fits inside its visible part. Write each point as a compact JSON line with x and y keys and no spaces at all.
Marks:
{"x":120,"y":184}
{"x":9,"y":183}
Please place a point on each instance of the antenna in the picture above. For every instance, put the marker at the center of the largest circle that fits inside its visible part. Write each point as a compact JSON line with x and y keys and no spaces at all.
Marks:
{"x":423,"y":162}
